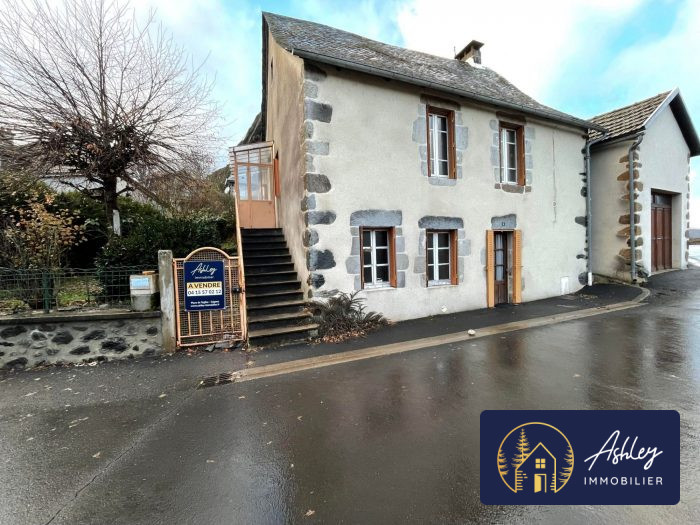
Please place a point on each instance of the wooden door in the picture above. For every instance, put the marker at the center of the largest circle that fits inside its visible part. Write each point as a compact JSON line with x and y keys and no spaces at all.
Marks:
{"x":253,"y":167}
{"x":500,"y":266}
{"x":256,"y":201}
{"x":661,"y":236}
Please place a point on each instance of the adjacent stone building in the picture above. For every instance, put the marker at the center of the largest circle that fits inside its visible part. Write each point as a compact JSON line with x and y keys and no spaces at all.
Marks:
{"x":658,"y":136}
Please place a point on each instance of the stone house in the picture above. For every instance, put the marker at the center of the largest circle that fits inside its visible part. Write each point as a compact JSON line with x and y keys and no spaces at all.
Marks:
{"x":657,"y":136}
{"x":432,"y":185}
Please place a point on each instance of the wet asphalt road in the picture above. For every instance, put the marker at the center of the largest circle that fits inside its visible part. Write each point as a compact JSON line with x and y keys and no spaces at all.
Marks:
{"x":386,"y":440}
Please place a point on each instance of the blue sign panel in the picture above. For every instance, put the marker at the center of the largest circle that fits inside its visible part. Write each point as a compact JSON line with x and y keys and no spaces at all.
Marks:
{"x":580,"y":457}
{"x":204,"y":285}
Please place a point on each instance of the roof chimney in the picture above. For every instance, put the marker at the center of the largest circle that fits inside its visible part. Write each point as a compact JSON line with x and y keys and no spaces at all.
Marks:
{"x":471,"y":53}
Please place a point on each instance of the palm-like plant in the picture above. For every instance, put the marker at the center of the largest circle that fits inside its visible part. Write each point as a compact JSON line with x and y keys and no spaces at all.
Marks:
{"x":344,"y":316}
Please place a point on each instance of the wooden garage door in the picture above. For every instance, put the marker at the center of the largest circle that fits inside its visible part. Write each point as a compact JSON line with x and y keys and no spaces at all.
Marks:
{"x":660,"y":232}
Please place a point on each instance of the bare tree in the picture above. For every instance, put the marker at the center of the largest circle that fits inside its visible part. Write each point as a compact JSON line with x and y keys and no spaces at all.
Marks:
{"x":100,"y":100}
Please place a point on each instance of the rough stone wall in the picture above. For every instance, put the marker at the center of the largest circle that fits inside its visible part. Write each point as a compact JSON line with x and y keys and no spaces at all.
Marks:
{"x":316,"y":113}
{"x":624,"y":256}
{"x":687,"y":214}
{"x":26,"y":344}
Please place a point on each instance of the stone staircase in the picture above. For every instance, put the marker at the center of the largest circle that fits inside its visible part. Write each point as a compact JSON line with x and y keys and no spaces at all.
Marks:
{"x":276,"y":307}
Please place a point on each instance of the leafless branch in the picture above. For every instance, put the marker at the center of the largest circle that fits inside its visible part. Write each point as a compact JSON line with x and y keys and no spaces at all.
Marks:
{"x":86,"y":88}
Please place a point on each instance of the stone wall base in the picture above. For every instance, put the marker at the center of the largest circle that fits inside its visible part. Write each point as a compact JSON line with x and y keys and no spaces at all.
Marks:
{"x":27,"y":342}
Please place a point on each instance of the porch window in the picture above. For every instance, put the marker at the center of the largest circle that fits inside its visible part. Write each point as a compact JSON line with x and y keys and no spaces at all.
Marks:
{"x":512,"y":154}
{"x":378,"y":258}
{"x":440,"y":142}
{"x":539,"y":463}
{"x":440,"y":257}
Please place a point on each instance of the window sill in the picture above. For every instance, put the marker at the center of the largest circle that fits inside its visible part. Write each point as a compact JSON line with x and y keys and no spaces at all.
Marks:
{"x":440,"y":285}
{"x":378,"y":288}
{"x":511,"y":187}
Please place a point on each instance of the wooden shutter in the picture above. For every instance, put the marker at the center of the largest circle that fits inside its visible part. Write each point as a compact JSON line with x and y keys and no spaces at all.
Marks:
{"x":520,"y":145}
{"x":490,"y":271}
{"x":454,"y":275}
{"x":276,"y":176}
{"x":392,"y":257}
{"x":517,"y":267}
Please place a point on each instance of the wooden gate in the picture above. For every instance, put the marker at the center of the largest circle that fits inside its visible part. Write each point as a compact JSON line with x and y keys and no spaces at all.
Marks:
{"x":211,"y":326}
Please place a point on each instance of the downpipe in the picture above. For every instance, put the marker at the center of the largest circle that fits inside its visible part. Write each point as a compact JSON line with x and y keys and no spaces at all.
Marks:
{"x":589,"y":201}
{"x":633,"y":237}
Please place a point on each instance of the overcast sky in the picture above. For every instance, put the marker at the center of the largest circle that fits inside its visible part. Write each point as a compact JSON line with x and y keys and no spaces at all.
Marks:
{"x":583,"y":57}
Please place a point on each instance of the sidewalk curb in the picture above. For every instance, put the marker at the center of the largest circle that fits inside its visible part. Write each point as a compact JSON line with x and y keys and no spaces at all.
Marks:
{"x":298,"y":365}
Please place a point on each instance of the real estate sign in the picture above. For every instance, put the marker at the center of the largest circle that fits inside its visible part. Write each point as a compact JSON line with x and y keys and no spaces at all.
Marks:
{"x":204,"y":285}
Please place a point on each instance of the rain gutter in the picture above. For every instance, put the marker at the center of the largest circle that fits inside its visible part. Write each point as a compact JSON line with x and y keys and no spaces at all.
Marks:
{"x":589,"y":209}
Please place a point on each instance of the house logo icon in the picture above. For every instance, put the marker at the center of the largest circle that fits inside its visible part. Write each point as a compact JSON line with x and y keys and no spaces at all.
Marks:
{"x":535,"y":458}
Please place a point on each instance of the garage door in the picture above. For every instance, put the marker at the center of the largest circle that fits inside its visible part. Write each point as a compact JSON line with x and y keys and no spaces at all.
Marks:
{"x":660,"y":231}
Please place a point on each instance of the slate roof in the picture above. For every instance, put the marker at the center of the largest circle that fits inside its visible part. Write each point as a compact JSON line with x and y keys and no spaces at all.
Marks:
{"x":628,"y":119}
{"x":325,"y":44}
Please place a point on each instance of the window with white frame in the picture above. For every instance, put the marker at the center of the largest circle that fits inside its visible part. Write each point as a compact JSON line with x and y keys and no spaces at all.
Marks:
{"x":509,"y":155}
{"x":439,"y":257}
{"x":376,"y":258}
{"x":440,"y":142}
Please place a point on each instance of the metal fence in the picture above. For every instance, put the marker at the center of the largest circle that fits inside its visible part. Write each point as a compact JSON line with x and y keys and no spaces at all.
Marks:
{"x":65,"y":288}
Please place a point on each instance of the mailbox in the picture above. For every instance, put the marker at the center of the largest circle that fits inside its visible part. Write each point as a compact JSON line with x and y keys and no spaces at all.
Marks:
{"x":144,"y":291}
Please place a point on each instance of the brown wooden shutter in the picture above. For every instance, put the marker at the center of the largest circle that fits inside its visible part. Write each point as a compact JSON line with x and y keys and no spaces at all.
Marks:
{"x":520,"y":144}
{"x":452,"y":148}
{"x":490,"y":271}
{"x":454,"y":276}
{"x":276,"y":176}
{"x":427,"y":139}
{"x":362,"y":258}
{"x":517,"y":267}
{"x":392,"y":257}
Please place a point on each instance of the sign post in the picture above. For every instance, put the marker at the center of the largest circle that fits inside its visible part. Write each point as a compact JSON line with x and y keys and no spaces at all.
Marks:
{"x":204,"y":285}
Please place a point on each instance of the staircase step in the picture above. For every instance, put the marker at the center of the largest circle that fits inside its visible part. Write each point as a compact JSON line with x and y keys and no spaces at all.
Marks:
{"x":254,"y":243}
{"x":258,"y":240}
{"x":253,"y":260}
{"x":258,"y":232}
{"x":257,"y":269}
{"x":270,"y":277}
{"x":254,"y":299}
{"x":278,"y":286}
{"x":282,"y":335}
{"x":264,"y":322}
{"x":260,"y":252}
{"x":276,"y":307}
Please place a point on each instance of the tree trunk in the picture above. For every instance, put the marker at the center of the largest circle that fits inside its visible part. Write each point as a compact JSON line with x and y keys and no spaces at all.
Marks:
{"x":109,"y":186}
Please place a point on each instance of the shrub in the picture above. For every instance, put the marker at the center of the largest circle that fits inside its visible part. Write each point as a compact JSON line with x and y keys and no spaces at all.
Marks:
{"x":344,"y":316}
{"x":38,"y":235}
{"x":150,"y":234}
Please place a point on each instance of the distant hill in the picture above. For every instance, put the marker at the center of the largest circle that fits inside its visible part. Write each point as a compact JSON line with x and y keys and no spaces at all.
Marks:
{"x":694,"y":234}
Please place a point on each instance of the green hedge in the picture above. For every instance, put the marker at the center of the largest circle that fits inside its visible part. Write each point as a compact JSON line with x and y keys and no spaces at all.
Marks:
{"x":150,"y":234}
